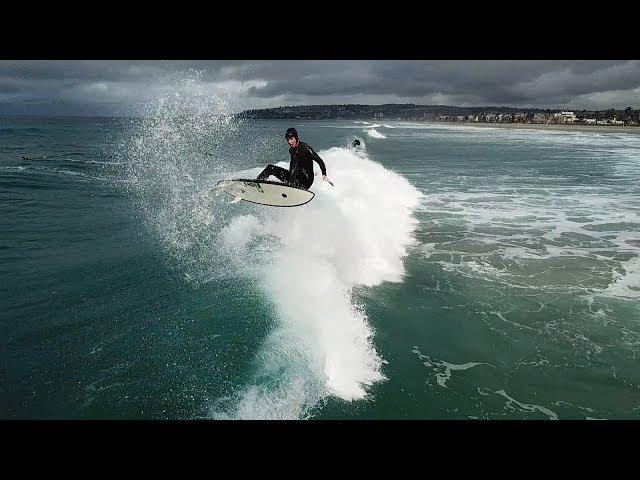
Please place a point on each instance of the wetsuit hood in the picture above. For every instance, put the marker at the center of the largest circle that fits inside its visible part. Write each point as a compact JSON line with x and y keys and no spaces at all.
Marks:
{"x":291,"y":132}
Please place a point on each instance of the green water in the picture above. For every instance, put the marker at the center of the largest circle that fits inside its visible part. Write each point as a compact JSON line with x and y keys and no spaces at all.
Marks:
{"x":129,"y":291}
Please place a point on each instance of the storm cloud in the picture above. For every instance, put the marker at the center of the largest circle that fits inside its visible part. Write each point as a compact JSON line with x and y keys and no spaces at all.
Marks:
{"x":122,"y":87}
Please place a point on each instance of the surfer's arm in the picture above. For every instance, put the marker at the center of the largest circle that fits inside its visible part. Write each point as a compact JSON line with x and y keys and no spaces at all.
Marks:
{"x":319,"y":161}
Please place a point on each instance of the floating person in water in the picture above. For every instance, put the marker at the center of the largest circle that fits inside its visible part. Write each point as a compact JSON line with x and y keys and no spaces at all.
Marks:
{"x":300,"y":173}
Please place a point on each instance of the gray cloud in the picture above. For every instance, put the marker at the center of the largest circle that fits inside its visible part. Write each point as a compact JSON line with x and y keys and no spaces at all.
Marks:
{"x":123,"y":87}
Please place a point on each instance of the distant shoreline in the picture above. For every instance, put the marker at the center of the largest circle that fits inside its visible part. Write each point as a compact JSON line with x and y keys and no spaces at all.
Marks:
{"x":546,"y":126}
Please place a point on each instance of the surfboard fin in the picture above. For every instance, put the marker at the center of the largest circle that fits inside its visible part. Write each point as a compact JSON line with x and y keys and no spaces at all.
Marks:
{"x":236,"y":200}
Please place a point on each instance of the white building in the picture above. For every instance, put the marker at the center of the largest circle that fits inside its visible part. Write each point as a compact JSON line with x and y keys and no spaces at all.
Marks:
{"x":566,"y":117}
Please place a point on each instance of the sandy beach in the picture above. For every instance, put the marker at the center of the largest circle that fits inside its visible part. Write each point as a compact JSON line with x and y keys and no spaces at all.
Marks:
{"x":545,"y":126}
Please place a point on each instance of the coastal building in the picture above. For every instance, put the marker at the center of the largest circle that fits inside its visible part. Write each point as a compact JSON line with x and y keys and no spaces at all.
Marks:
{"x":567,"y":117}
{"x":590,"y":121}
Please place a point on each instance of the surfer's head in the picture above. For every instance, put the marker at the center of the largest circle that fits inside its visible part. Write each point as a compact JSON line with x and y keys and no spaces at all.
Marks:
{"x":291,"y":136}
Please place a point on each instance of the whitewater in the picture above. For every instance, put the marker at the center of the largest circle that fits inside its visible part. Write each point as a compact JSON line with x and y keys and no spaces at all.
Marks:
{"x":349,"y":235}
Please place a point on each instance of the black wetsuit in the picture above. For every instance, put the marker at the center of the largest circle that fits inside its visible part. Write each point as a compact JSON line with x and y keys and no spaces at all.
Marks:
{"x":300,"y":173}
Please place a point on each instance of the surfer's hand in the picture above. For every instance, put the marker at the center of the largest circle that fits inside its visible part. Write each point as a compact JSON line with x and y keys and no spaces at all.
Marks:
{"x":324,"y":177}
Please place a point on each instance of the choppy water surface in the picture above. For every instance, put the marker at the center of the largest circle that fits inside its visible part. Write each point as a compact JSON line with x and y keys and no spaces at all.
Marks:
{"x":452,"y":272}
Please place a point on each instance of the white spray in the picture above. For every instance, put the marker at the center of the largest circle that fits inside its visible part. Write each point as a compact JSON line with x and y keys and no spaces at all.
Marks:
{"x":306,"y":260}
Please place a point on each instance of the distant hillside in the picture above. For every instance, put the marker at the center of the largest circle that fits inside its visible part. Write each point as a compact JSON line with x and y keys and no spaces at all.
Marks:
{"x":393,"y":111}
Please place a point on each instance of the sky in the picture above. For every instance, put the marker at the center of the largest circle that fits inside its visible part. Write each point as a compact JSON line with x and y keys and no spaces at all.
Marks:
{"x":125,"y":87}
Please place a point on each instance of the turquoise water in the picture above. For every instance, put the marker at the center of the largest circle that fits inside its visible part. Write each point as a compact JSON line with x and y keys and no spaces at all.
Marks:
{"x":452,"y":272}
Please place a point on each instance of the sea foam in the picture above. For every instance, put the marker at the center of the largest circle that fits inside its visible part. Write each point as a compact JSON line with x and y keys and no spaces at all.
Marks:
{"x":373,"y":133}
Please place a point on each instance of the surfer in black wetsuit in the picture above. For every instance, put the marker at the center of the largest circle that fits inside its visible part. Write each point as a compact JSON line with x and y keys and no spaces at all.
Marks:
{"x":300,"y":173}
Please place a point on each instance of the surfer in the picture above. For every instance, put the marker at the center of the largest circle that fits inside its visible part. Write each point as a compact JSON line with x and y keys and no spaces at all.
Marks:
{"x":300,"y":173}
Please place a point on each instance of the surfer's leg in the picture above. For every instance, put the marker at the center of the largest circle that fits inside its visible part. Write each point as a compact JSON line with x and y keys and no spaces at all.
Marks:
{"x":278,"y":172}
{"x":302,"y":183}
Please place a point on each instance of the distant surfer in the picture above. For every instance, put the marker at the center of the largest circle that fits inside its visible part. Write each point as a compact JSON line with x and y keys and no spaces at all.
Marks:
{"x":300,"y":173}
{"x":355,"y":143}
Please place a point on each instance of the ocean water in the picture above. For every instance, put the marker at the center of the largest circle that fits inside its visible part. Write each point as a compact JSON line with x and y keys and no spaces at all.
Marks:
{"x":451,"y":273}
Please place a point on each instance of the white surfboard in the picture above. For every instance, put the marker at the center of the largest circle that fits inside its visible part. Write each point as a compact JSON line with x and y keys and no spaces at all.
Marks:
{"x":264,"y":192}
